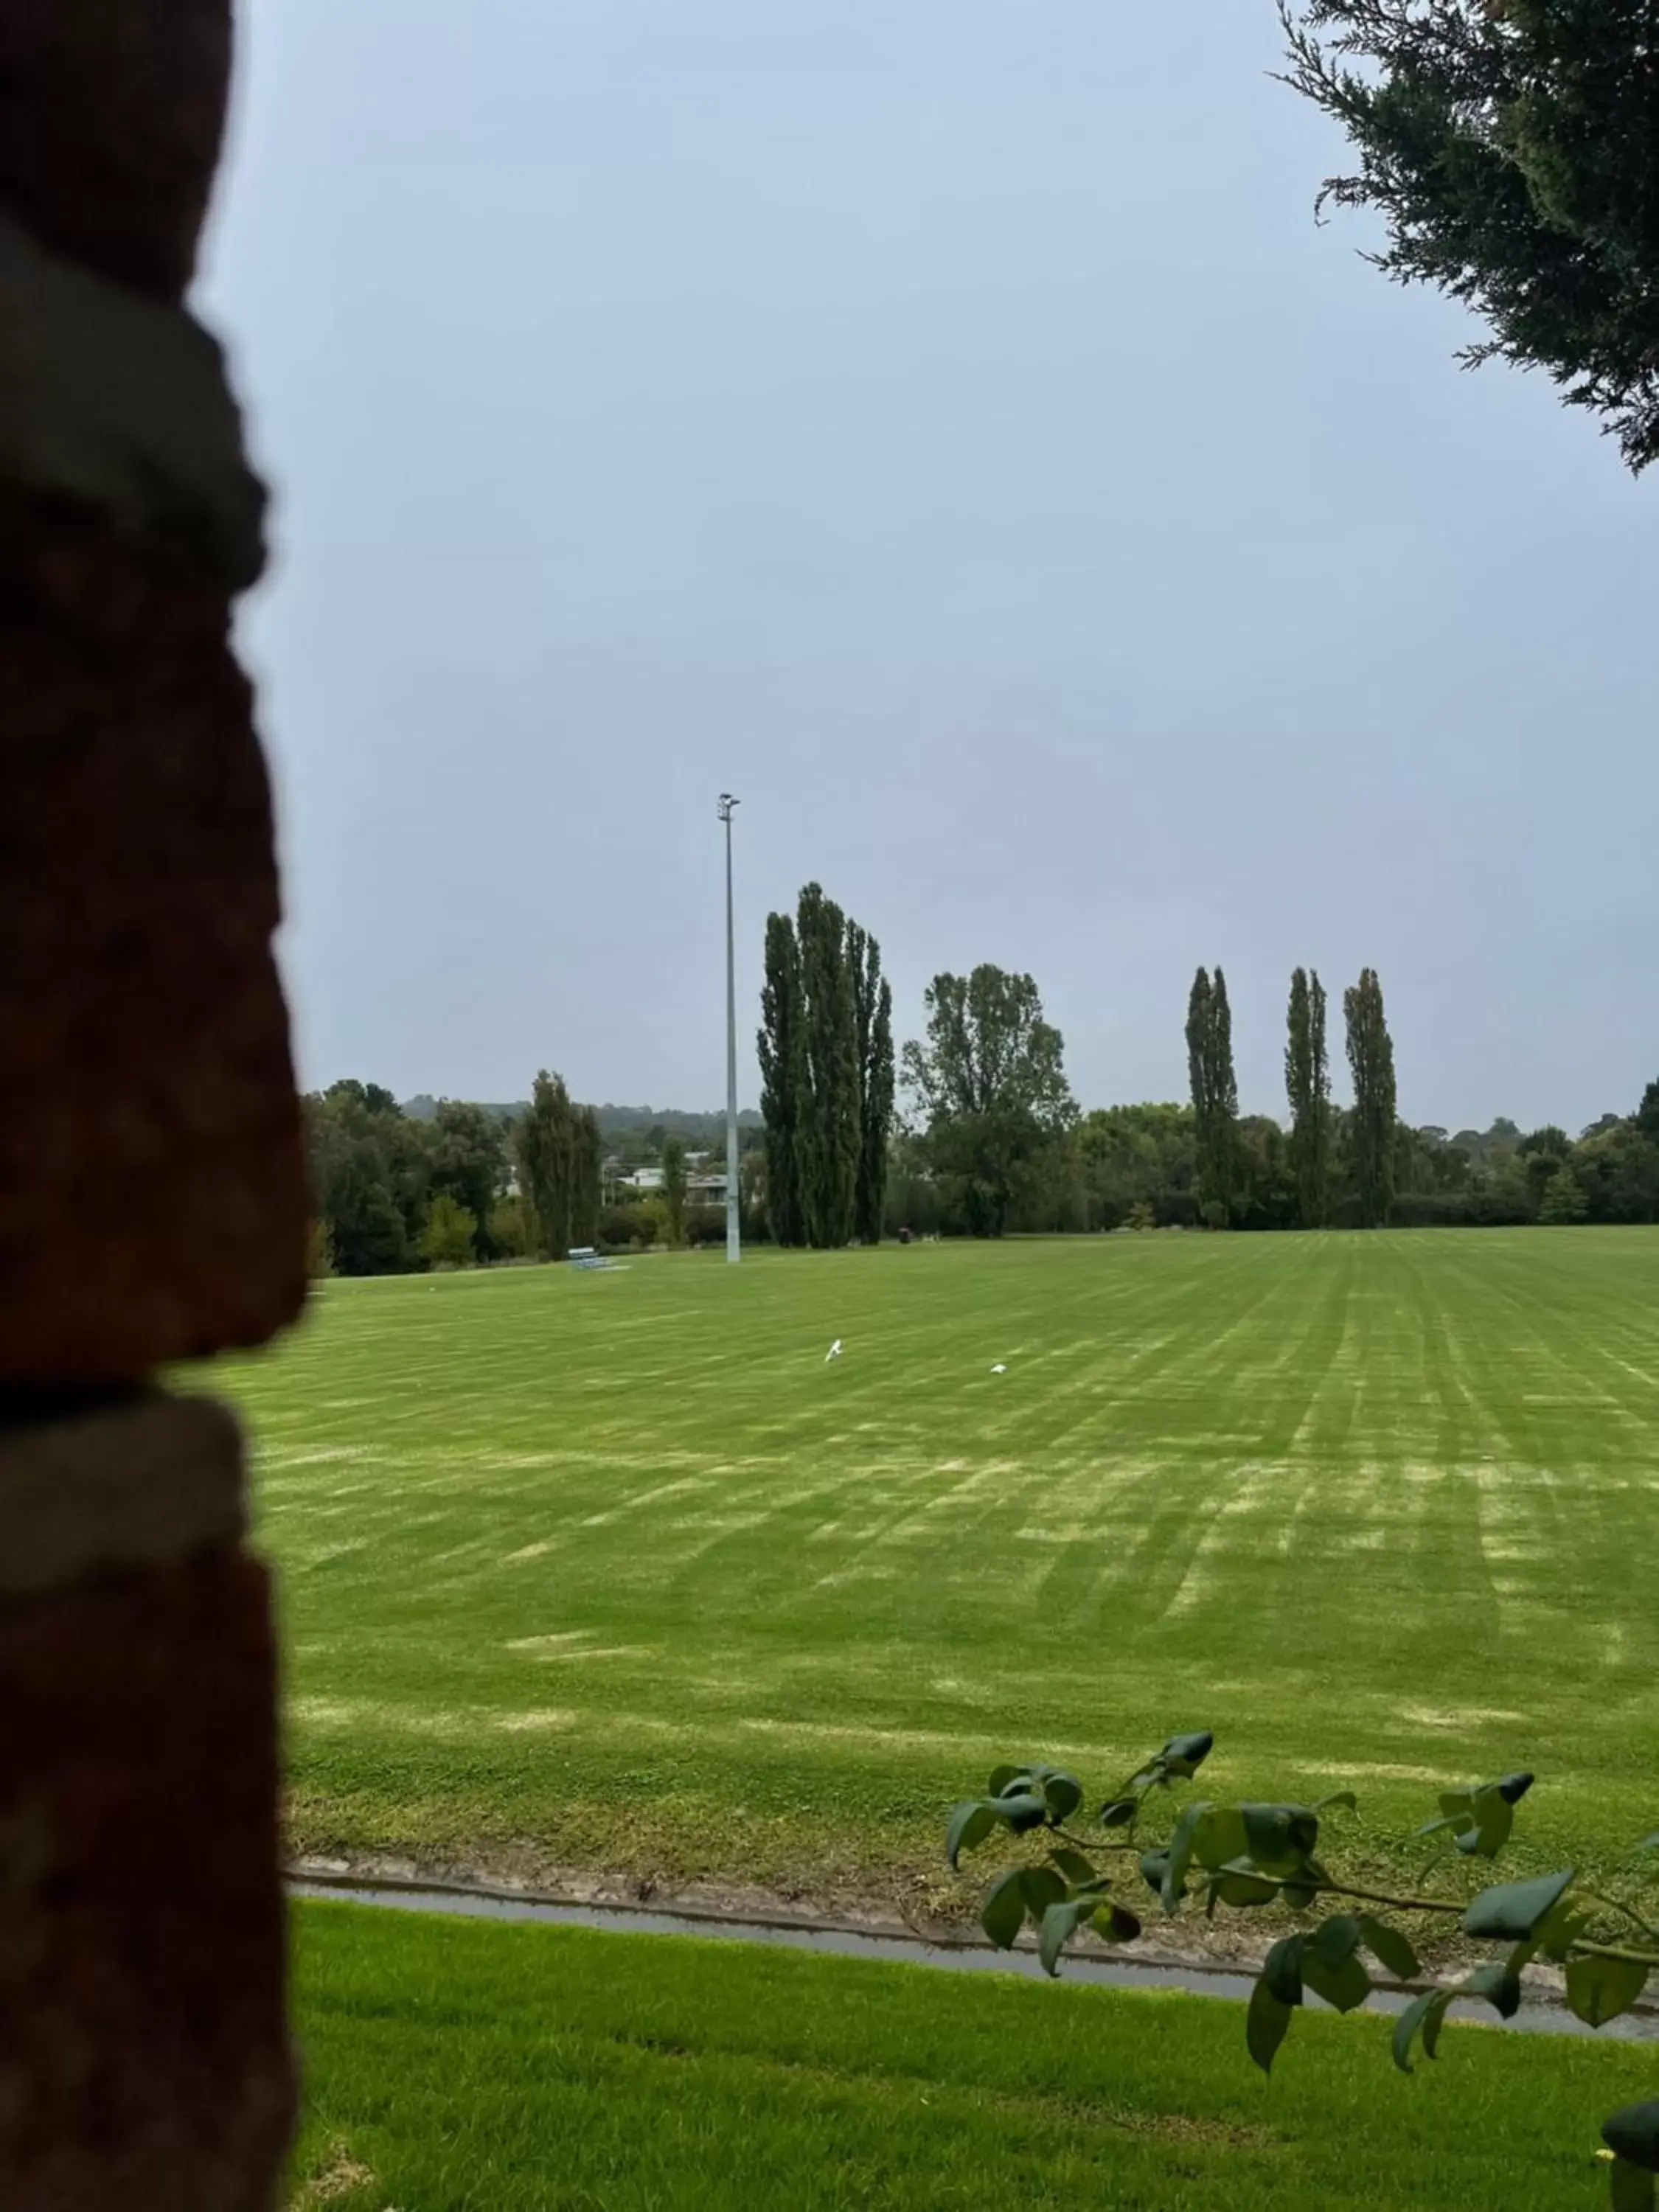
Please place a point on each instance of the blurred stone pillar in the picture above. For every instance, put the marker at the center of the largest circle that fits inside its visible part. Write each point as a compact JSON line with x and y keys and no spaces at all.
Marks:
{"x":151,"y":1193}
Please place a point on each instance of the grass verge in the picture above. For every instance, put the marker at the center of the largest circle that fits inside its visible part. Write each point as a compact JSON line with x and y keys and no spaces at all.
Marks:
{"x":455,"y":2064}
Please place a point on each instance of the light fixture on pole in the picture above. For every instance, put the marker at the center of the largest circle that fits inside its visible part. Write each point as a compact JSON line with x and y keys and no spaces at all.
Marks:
{"x":733,"y":1217}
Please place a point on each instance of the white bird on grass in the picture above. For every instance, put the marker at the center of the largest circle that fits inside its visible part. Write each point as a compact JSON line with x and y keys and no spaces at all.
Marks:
{"x":834,"y":1352}
{"x":999,"y":1369}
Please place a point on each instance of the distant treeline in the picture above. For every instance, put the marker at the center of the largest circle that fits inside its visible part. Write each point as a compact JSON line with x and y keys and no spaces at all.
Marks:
{"x":445,"y":1183}
{"x":393,"y":1191}
{"x":993,"y":1140}
{"x":655,"y":1122}
{"x":1018,"y":1154}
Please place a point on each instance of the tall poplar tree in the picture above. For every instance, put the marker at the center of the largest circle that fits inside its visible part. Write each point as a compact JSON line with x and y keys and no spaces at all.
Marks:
{"x":1371,"y":1125}
{"x":783,"y":1060}
{"x":673,"y":1188}
{"x":586,"y":1168}
{"x":543,"y":1143}
{"x":827,"y":1145}
{"x":1215,"y":1091}
{"x":1307,"y":1082}
{"x":873,"y":1001}
{"x":1198,"y":1056}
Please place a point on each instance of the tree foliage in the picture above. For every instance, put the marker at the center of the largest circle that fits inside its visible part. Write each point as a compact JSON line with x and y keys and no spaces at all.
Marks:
{"x":543,"y":1142}
{"x":1371,"y":1125}
{"x":1510,"y":147}
{"x":673,"y":1190}
{"x":1308,"y":1084}
{"x":989,"y":1081}
{"x":587,"y":1172}
{"x":826,"y":1055}
{"x":873,"y":1003}
{"x":1562,"y":1199}
{"x":320,"y":1251}
{"x":783,"y":1079}
{"x":1074,"y":1872}
{"x":1215,"y":1095}
{"x":467,"y":1149}
{"x":827,"y":1144}
{"x":370,"y":1172}
{"x":1134,"y":1157}
{"x":448,"y":1240}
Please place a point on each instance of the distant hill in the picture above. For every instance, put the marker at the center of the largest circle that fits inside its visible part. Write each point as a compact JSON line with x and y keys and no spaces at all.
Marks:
{"x":677,"y":1123}
{"x":425,"y":1107}
{"x":613,"y":1120}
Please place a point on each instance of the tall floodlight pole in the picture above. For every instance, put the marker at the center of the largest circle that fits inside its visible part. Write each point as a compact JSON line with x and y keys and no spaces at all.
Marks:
{"x":733,"y":1216}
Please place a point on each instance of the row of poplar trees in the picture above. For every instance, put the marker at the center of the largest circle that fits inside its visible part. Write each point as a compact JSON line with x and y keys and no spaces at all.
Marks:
{"x":557,"y":1150}
{"x":826,"y":1055}
{"x":1368,"y":1130}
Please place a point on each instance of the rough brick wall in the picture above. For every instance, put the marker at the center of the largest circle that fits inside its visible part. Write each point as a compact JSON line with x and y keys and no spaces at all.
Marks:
{"x":151,"y":1208}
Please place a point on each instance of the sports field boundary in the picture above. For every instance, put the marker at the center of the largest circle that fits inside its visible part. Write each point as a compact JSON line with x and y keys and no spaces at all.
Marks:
{"x":1543,"y":2011}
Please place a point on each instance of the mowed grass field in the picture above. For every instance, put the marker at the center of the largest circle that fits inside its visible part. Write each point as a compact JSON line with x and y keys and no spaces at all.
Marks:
{"x":614,"y":1572}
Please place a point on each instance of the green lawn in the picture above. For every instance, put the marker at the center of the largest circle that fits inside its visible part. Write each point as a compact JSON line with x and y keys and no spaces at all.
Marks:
{"x":614,"y":1572}
{"x":454,"y":2066}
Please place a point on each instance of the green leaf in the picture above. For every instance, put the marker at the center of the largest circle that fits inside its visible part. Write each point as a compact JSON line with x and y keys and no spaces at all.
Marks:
{"x":1267,"y":2024}
{"x":1002,"y":1777}
{"x":1559,"y":1930}
{"x":1243,"y":1891}
{"x":1423,"y":2016}
{"x":1064,"y":1794}
{"x":1022,"y":1810}
{"x":1152,"y":1867}
{"x":1059,"y":1924}
{"x":969,"y":1826}
{"x":1633,"y":2135}
{"x":1633,"y":2189}
{"x":1180,"y":1856}
{"x":1184,"y":1754}
{"x":1508,"y":1912}
{"x":1218,"y":1836}
{"x":1041,"y":1886}
{"x":1119,"y":1813}
{"x":1493,"y":1818}
{"x":1346,"y":1984}
{"x":1280,"y":1838}
{"x":1512,"y":1788}
{"x":1389,"y":1948}
{"x":1336,"y":1939}
{"x":1345,"y":1798}
{"x":1121,"y":1925}
{"x":1599,"y":1989}
{"x":1072,"y":1864}
{"x":1497,"y":1984}
{"x":1281,"y":1969}
{"x":1406,"y":2029}
{"x":1003,"y":1913}
{"x":1435,"y":2020}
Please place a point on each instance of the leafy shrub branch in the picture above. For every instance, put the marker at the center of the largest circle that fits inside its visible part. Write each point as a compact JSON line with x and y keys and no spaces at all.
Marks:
{"x":1241,"y":1858}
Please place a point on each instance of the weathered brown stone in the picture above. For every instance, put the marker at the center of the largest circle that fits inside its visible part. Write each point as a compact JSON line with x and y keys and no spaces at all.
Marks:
{"x":110,"y":116}
{"x":144,"y":2064}
{"x":152,"y":1199}
{"x":151,"y":1192}
{"x":88,"y":1490}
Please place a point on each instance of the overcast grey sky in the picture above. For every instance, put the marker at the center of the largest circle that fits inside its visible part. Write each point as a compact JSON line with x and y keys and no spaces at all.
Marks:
{"x":941,"y":422}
